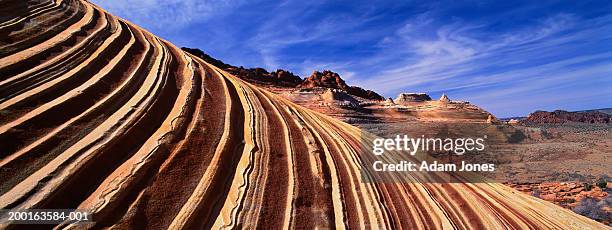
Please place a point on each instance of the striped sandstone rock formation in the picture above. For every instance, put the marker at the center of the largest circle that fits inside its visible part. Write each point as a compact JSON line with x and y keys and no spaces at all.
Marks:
{"x":99,"y":114}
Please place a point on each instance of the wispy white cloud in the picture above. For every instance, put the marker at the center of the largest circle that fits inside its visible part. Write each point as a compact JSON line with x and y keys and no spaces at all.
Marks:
{"x":456,"y":49}
{"x":299,"y":23}
{"x":470,"y":59}
{"x":512,"y":56}
{"x":166,"y":14}
{"x":492,"y":68}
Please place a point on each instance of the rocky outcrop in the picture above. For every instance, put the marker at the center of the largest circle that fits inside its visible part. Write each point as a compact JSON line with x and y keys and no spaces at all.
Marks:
{"x":207,"y":58}
{"x":562,"y":116}
{"x":279,"y":77}
{"x":329,"y":79}
{"x":444,"y":99}
{"x":412,"y":97}
{"x":364,"y":93}
{"x":584,"y":198}
{"x":339,"y":97}
{"x":257,"y":75}
{"x":286,"y":76}
{"x":492,"y":119}
{"x":326,"y":79}
{"x":389,"y":102}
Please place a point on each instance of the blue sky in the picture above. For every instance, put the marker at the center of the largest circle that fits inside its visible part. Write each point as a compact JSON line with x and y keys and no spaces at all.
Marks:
{"x":510,"y":58}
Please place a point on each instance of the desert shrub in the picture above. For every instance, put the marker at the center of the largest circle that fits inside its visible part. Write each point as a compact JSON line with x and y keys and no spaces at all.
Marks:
{"x":587,"y":187}
{"x":603,"y":184}
{"x":594,"y":209}
{"x":516,"y":137}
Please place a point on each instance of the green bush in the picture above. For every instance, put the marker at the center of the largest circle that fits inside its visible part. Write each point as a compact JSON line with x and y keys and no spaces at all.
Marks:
{"x":602,"y":184}
{"x":587,"y":187}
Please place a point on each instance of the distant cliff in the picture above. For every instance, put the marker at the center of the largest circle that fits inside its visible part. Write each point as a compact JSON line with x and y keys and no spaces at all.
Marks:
{"x":562,"y":116}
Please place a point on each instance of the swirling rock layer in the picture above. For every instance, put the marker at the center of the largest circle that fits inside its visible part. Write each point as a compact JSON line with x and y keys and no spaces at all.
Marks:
{"x":100,"y":114}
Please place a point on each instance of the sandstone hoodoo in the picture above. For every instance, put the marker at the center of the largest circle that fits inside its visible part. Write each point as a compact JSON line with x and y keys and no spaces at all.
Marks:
{"x":492,"y":120}
{"x":422,"y":107}
{"x":340,"y":97}
{"x":444,"y":99}
{"x":412,"y":97}
{"x":389,"y":102}
{"x":562,"y":116}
